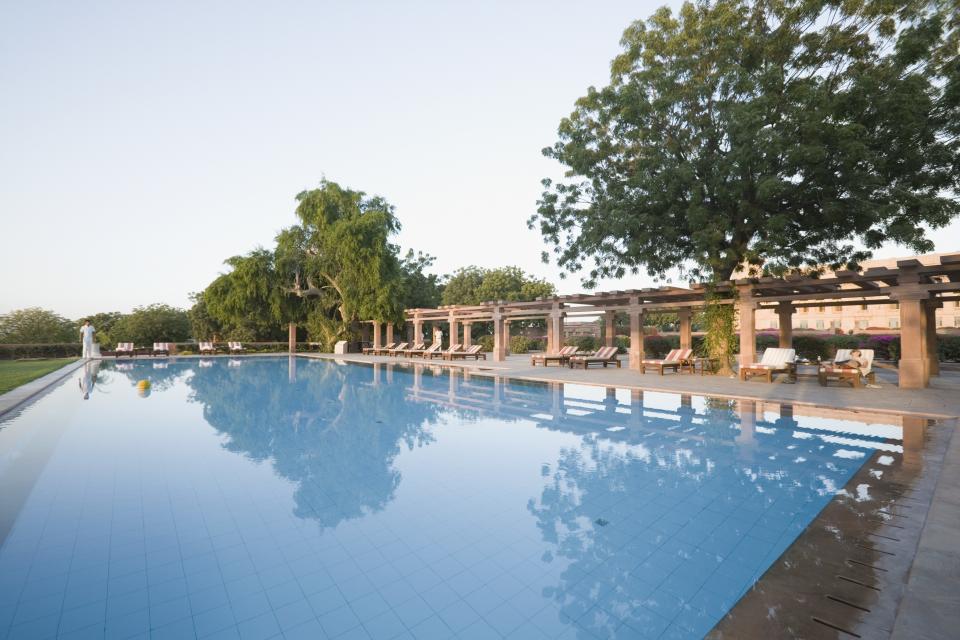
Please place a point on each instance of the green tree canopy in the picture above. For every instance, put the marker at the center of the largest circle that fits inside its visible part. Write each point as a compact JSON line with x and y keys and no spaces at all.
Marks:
{"x":36,"y":326}
{"x":770,"y":133}
{"x":420,"y":289}
{"x":152,"y":323}
{"x":246,"y":303}
{"x":475,"y":285}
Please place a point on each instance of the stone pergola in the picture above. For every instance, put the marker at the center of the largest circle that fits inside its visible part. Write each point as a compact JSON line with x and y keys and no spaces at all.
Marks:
{"x":919,"y":289}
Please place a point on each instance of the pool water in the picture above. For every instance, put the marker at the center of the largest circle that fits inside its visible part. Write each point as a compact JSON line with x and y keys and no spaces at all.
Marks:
{"x":303,"y":498}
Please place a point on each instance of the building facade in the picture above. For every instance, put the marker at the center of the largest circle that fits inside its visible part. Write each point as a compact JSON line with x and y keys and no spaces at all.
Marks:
{"x":857,"y":318}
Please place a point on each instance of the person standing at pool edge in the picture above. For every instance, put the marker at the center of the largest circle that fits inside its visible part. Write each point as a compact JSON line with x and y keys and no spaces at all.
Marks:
{"x":86,"y":336}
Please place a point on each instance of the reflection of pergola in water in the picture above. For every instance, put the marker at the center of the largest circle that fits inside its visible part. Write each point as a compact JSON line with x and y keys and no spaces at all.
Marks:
{"x":919,"y":290}
{"x":620,"y":419}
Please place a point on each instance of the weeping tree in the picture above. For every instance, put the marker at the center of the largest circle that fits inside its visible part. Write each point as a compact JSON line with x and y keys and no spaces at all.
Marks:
{"x":761,"y":137}
{"x":333,"y":268}
{"x":340,"y":258}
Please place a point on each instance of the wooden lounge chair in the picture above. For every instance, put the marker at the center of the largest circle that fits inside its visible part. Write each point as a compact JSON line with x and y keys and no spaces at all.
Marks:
{"x":773,"y":361}
{"x":603,"y":355}
{"x":123,"y":349}
{"x":561,"y":358}
{"x":382,"y":351}
{"x":473,"y":351}
{"x":206,"y":347}
{"x":443,"y":354}
{"x":161,"y":348}
{"x":397,"y":350}
{"x":235,"y":347}
{"x":426,"y":353}
{"x":836,"y":372}
{"x":677,"y":359}
{"x":420,"y":346}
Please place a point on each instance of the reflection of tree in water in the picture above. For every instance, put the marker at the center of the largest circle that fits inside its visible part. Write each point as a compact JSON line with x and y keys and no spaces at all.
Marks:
{"x":328,"y":429}
{"x":603,"y":501}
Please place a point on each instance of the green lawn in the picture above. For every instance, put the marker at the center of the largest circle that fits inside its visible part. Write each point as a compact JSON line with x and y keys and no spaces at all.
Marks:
{"x":14,"y":373}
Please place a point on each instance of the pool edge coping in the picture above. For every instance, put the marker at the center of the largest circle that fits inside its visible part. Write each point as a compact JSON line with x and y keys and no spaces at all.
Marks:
{"x":26,"y":393}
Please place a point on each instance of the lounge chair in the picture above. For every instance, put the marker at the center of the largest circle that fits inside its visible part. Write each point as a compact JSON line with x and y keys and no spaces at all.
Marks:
{"x":161,"y":348}
{"x":207,"y":347}
{"x":382,"y":351}
{"x":425,"y":353}
{"x":561,"y":358}
{"x":420,"y":346}
{"x":373,"y":350}
{"x":443,"y":354}
{"x":396,"y":351}
{"x":773,"y":361}
{"x":677,"y":359}
{"x":836,"y":372}
{"x":473,"y":351}
{"x":123,"y":349}
{"x":604,"y":355}
{"x":235,"y":347}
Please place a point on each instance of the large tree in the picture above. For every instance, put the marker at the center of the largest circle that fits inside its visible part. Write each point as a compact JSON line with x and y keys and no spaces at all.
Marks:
{"x":340,"y":255}
{"x":774,"y":135}
{"x":36,"y":326}
{"x":475,"y":285}
{"x":152,"y":323}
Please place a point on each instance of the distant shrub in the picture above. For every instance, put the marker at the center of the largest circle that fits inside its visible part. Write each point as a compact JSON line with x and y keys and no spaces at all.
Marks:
{"x":57,"y":350}
{"x":659,"y":346}
{"x":583,"y":343}
{"x":520,"y":344}
{"x":486,"y":343}
{"x":623,"y":343}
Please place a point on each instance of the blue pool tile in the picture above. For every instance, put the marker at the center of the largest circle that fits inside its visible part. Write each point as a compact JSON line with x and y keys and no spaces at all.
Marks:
{"x":458,"y":616}
{"x":384,"y":626}
{"x":368,"y":606}
{"x":325,"y":601}
{"x":440,"y":596}
{"x":80,"y":617}
{"x":505,"y":618}
{"x":339,"y":621}
{"x":209,"y":598}
{"x":127,"y":625}
{"x":309,"y":630}
{"x":169,"y":611}
{"x":174,"y":631}
{"x":213,"y":620}
{"x":294,"y":614}
{"x":250,"y":606}
{"x":284,"y":594}
{"x":259,"y":628}
{"x":479,"y":630}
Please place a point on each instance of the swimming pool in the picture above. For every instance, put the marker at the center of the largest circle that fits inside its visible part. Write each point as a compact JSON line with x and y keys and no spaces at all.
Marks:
{"x":292,"y":497}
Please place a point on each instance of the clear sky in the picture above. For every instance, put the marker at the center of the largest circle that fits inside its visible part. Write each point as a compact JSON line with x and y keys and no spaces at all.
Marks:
{"x":142,"y":143}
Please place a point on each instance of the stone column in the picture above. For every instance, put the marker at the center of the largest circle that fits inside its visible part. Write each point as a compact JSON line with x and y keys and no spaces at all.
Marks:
{"x":376,"y":335}
{"x":551,"y":347}
{"x":506,"y":336}
{"x":748,"y":329}
{"x":556,"y":326}
{"x":914,"y":365}
{"x":636,"y":336}
{"x":930,"y":346}
{"x":389,"y":333}
{"x":454,"y":331}
{"x":609,"y":328}
{"x":467,"y":334}
{"x":292,"y":337}
{"x":785,"y":319}
{"x":417,"y":331}
{"x":686,"y":333}
{"x":499,"y":348}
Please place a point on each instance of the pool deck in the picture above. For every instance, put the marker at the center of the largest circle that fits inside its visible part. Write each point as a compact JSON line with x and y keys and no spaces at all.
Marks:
{"x":930,"y":603}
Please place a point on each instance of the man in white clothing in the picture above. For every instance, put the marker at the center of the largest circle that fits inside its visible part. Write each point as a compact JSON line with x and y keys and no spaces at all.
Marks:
{"x":86,"y":336}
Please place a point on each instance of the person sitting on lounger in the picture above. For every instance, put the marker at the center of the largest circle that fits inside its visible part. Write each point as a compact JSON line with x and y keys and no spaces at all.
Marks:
{"x":856,"y":361}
